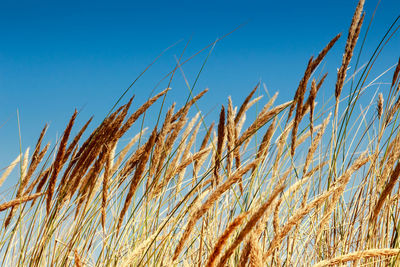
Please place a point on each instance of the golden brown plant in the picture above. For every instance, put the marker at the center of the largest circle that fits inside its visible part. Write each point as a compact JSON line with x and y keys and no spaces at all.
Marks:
{"x":192,"y":195}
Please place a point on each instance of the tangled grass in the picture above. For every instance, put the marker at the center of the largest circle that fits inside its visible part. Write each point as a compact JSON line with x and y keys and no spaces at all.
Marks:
{"x":320,"y":188}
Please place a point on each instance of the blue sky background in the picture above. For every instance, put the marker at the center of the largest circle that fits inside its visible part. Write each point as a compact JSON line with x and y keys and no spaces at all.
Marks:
{"x":56,"y":56}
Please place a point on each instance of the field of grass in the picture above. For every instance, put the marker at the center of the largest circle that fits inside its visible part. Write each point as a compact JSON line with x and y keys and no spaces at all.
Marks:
{"x":301,"y":184}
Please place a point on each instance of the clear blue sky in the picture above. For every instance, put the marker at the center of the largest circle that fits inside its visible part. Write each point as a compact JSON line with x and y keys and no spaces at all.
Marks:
{"x":56,"y":56}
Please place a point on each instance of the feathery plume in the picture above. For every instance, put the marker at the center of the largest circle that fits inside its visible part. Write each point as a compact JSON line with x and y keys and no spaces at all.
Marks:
{"x":244,"y":106}
{"x":15,"y":202}
{"x":223,"y":239}
{"x":9,"y":169}
{"x":137,"y":176}
{"x":352,"y":38}
{"x":396,"y":73}
{"x":207,"y":204}
{"x":58,"y":161}
{"x":250,"y":224}
{"x":220,"y":143}
{"x":364,"y":254}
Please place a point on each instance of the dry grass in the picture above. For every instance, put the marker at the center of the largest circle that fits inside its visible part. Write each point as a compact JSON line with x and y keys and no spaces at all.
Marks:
{"x":240,"y":194}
